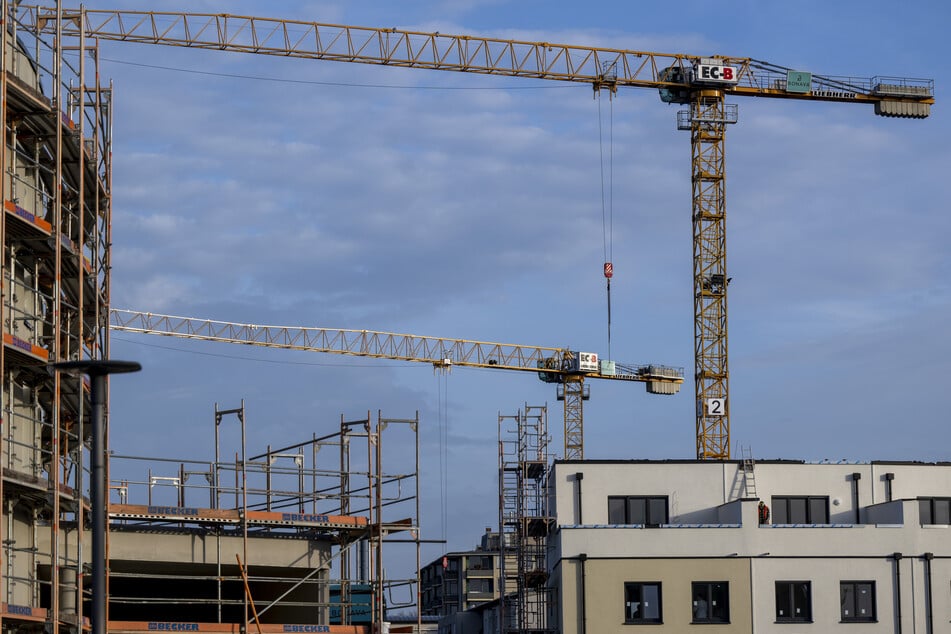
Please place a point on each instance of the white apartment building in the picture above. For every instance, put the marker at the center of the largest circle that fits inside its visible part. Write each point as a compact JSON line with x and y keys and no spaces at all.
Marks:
{"x":678,"y":546}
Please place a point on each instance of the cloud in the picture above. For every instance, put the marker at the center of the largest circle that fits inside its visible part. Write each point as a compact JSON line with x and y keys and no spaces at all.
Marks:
{"x":323,"y":198}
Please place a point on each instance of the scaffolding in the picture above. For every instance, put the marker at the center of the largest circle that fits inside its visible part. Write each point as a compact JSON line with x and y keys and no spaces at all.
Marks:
{"x":524,"y":521}
{"x":292,"y":537}
{"x":55,"y":228}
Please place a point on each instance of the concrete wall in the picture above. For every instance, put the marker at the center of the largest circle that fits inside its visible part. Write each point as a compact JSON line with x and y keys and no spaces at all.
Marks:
{"x":203,"y":549}
{"x":695,"y":489}
{"x":602,"y":608}
{"x":752,"y":582}
{"x":714,"y":535}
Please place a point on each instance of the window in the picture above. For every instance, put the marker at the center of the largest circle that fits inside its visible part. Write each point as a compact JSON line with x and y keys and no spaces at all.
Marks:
{"x":801,"y":510}
{"x":451,"y":566}
{"x":857,"y":600}
{"x":479,"y":563}
{"x":711,"y":601}
{"x":793,"y":601}
{"x":483,"y":586}
{"x":642,"y":603}
{"x":934,"y":510}
{"x":651,"y":511}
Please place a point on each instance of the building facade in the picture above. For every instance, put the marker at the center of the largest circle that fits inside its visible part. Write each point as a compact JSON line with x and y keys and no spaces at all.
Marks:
{"x":677,"y":545}
{"x":460,"y":581}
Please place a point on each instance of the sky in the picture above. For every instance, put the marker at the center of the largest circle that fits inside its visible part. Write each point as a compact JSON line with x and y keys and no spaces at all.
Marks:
{"x":309,"y":193}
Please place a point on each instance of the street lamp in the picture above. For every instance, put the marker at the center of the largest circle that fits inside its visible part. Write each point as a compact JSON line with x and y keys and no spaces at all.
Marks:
{"x":97,"y":369}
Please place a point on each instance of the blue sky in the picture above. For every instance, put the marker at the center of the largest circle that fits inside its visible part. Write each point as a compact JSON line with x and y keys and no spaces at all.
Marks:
{"x":288,"y":192}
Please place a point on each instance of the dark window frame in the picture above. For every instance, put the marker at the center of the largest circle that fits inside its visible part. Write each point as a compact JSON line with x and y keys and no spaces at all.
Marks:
{"x":855,"y":617}
{"x":706,"y":590}
{"x":928,"y":510}
{"x":479,"y":563}
{"x":788,"y":588}
{"x":639,"y":586}
{"x":646,"y":500}
{"x":452,"y":588}
{"x":473,"y":583}
{"x":782,"y":508}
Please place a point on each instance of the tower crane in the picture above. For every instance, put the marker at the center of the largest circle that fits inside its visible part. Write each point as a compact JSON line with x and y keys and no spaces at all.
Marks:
{"x":568,"y":368}
{"x":701,"y":83}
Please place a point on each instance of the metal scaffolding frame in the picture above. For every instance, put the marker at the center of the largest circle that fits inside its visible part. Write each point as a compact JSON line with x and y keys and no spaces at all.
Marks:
{"x":524,"y":522}
{"x":55,"y":227}
{"x":330,"y":494}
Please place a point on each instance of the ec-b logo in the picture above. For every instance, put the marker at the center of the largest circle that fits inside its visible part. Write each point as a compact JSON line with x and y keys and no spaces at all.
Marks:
{"x":709,"y":73}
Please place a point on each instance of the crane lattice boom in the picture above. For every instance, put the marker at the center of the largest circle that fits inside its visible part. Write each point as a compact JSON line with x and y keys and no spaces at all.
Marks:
{"x":600,"y":66}
{"x":439,"y":351}
{"x":553,"y":365}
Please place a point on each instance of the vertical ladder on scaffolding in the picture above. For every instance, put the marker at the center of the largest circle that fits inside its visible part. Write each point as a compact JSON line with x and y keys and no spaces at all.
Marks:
{"x":749,"y":472}
{"x":524,"y":522}
{"x":509,"y":524}
{"x":535,"y":595}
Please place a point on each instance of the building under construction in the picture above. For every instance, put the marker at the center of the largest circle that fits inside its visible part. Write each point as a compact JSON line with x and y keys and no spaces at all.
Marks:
{"x":55,"y":228}
{"x":289,"y":537}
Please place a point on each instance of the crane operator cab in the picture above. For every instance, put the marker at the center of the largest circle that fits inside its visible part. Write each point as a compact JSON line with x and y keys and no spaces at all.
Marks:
{"x":674,"y":74}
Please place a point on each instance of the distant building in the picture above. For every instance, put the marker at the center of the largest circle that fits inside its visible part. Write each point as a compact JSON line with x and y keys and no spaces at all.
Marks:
{"x":459,"y":581}
{"x":676,"y":544}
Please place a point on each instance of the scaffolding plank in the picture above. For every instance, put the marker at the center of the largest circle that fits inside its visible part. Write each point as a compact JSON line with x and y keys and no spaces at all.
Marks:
{"x":23,"y":613}
{"x":25,"y":220}
{"x":121,"y":627}
{"x":270,"y":518}
{"x":35,"y":352}
{"x":25,"y":98}
{"x":227,"y":516}
{"x":173,"y":513}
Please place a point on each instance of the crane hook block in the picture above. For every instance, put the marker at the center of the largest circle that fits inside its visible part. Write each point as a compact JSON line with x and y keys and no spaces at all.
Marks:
{"x":608,"y":270}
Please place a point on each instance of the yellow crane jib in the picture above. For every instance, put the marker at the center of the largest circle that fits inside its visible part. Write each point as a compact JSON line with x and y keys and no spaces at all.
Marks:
{"x":676,"y":74}
{"x":441,"y":352}
{"x":565,"y":367}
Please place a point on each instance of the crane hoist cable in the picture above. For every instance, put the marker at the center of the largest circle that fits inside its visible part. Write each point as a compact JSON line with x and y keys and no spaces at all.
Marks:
{"x":607,"y":200}
{"x":445,"y":486}
{"x":442,"y":385}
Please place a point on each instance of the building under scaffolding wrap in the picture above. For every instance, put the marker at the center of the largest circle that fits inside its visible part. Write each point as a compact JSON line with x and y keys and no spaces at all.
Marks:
{"x":55,"y":231}
{"x":289,"y":539}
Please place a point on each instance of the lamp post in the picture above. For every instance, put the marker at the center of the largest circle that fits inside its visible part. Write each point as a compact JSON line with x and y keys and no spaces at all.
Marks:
{"x":97,"y":369}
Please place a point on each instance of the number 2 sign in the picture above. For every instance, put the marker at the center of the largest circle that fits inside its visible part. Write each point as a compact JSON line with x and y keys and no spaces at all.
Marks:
{"x":716,"y":406}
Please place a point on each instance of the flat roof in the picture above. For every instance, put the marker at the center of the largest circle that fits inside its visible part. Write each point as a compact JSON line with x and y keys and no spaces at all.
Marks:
{"x":758,"y":461}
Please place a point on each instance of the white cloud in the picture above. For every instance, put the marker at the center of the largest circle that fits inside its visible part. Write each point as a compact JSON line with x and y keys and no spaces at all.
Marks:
{"x":478,"y":214}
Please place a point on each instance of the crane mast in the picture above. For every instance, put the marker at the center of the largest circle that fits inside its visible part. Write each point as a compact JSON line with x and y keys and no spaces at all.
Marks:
{"x":568,"y":368}
{"x":706,"y":120}
{"x":700,"y":83}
